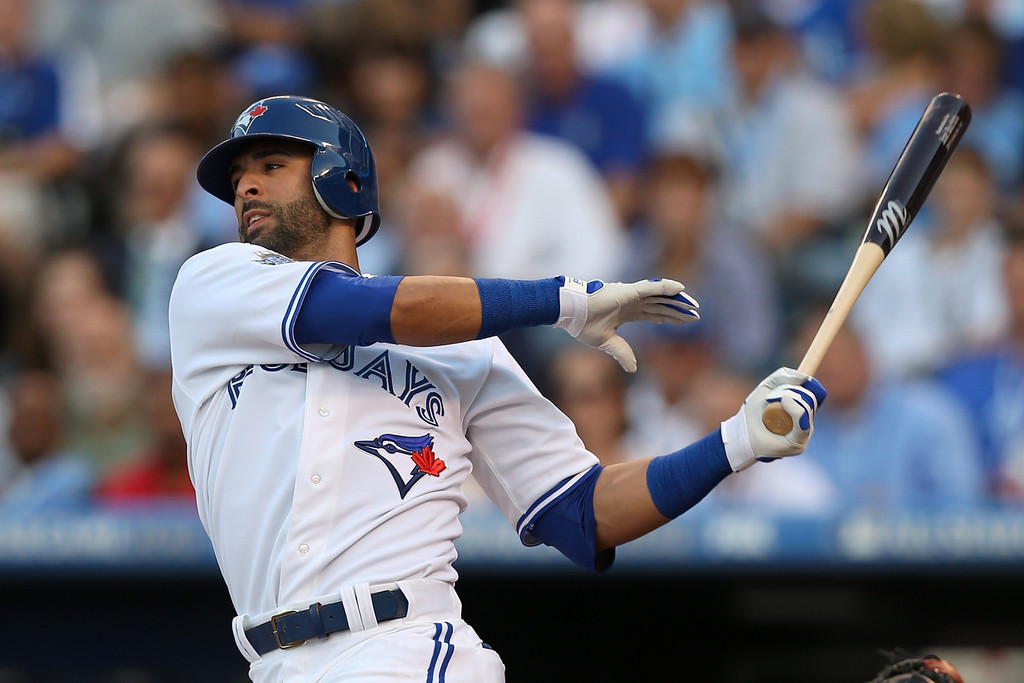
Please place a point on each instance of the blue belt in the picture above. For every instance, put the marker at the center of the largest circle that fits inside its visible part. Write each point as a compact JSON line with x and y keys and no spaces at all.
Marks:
{"x":291,"y":629}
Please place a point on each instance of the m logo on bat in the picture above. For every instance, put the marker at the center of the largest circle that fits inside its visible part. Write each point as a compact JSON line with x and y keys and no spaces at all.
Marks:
{"x":892,"y":222}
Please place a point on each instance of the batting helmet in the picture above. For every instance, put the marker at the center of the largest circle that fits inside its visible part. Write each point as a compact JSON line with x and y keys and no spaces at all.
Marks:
{"x":342,"y":155}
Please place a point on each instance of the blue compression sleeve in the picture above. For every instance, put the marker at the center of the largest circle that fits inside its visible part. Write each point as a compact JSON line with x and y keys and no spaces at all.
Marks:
{"x":344,"y":308}
{"x":679,"y":480}
{"x":569,"y":525}
{"x":512,"y":304}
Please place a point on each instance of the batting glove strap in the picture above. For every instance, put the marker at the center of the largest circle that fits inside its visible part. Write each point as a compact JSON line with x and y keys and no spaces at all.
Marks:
{"x":572,"y":300}
{"x":737,"y":443}
{"x":593,"y":311}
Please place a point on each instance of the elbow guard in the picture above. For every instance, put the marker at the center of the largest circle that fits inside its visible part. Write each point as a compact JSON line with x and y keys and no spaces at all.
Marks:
{"x":569,"y":525}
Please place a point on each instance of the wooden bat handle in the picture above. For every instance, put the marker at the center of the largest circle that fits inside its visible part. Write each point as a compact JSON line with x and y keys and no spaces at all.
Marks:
{"x":866,"y":261}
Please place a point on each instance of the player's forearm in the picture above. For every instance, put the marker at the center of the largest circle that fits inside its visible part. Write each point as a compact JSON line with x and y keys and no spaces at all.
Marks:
{"x":623,"y":507}
{"x":633,"y":498}
{"x":430,"y":310}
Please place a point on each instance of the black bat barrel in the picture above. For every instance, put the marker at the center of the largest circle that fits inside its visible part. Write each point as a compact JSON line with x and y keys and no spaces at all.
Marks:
{"x":922,"y":160}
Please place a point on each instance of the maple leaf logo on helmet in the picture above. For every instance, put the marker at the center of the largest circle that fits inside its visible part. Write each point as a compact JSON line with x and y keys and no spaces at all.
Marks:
{"x":245,"y":120}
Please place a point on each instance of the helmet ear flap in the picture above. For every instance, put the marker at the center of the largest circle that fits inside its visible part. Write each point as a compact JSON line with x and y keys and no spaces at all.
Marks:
{"x":328,"y":171}
{"x":333,"y":179}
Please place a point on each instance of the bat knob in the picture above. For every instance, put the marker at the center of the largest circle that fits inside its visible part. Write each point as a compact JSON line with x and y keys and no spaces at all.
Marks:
{"x":776,"y":420}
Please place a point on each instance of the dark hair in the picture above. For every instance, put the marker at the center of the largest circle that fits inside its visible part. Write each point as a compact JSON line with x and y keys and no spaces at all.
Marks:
{"x":1013,"y":229}
{"x":751,"y":21}
{"x":903,"y":29}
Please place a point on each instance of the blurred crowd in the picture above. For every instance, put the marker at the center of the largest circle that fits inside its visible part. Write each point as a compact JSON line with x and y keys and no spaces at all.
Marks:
{"x":735,"y":145}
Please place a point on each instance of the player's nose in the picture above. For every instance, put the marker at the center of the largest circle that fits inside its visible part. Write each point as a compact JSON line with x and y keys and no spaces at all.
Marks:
{"x":248,"y":186}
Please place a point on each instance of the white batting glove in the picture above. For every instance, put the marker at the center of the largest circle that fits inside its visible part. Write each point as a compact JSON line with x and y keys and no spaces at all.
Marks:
{"x":748,"y":440}
{"x":592,"y":311}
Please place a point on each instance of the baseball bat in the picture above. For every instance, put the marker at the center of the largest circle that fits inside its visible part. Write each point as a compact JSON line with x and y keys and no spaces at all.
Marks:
{"x":924,"y":156}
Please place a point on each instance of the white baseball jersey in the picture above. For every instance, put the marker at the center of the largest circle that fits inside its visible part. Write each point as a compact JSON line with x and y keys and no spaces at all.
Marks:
{"x":322,"y":467}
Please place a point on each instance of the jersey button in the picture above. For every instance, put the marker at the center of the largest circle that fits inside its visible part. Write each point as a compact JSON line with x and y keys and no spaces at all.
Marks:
{"x":315,"y":479}
{"x":303,"y":549}
{"x":324,"y":412}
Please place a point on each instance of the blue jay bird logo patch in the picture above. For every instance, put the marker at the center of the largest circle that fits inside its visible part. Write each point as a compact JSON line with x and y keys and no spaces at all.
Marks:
{"x":420,"y":450}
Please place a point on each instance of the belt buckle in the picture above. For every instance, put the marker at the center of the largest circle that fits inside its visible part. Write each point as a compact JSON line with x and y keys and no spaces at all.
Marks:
{"x":277,"y":636}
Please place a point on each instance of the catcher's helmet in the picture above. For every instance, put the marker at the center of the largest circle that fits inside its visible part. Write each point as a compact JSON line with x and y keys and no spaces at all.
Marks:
{"x":913,"y":670}
{"x":342,"y":153}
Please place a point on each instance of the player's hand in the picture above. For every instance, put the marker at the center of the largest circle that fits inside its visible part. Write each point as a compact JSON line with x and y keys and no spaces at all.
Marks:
{"x":745,"y":436}
{"x":592,"y":311}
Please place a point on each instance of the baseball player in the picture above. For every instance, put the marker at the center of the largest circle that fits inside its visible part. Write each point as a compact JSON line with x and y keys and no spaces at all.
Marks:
{"x":332,"y":417}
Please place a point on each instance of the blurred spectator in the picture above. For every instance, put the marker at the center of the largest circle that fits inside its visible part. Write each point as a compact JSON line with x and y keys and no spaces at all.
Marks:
{"x":391,"y":90}
{"x":529,"y":205}
{"x":997,"y":111}
{"x":270,"y":44}
{"x":159,"y":472}
{"x":265,"y":22}
{"x":497,"y":36}
{"x":436,"y":27}
{"x":889,"y":444}
{"x":1008,"y":18}
{"x":155,"y":230}
{"x":792,"y":159}
{"x":49,"y":118}
{"x":662,"y":402}
{"x":103,"y":384}
{"x":607,"y":34}
{"x":679,"y":236}
{"x":685,"y":62}
{"x":65,"y":283}
{"x":11,"y":299}
{"x":47,"y":475}
{"x":990,"y":381}
{"x":8,"y":461}
{"x":431,"y":236}
{"x":565,"y":100}
{"x":130,"y":41}
{"x":86,"y":335}
{"x":194,"y":89}
{"x":193,"y":93}
{"x":967,"y":240}
{"x":590,"y":387}
{"x":826,"y":31}
{"x":941,"y":290}
{"x":906,"y":48}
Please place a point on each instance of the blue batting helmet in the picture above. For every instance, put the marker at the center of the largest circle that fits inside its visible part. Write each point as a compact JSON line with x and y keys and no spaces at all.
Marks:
{"x":342,"y":153}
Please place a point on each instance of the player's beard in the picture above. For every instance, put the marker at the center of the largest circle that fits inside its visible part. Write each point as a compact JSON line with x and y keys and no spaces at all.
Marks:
{"x":299,"y":224}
